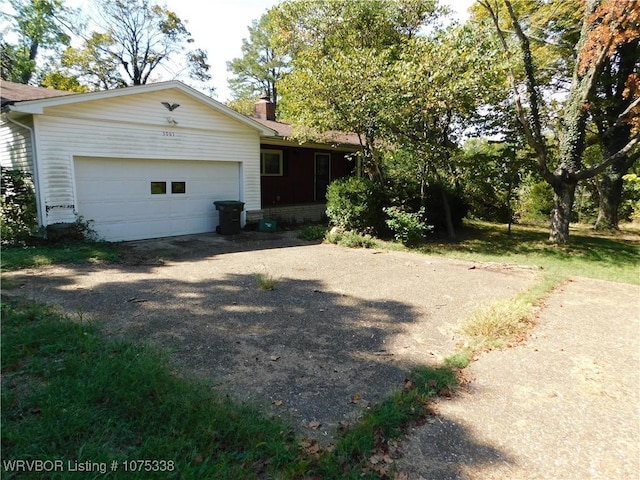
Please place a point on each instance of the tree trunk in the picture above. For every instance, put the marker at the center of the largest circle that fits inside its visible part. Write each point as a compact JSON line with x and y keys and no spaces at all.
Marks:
{"x":564,"y":195}
{"x":451,"y":234}
{"x":609,"y":188}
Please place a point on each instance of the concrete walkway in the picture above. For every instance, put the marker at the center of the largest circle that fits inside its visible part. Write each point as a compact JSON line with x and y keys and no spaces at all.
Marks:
{"x":566,"y":405}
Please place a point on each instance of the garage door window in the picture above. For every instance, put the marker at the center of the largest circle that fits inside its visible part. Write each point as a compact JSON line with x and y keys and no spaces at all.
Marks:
{"x":158,"y":188}
{"x":178,"y":187}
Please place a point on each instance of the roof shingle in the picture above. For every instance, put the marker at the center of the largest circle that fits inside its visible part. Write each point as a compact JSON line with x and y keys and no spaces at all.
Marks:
{"x":11,"y":93}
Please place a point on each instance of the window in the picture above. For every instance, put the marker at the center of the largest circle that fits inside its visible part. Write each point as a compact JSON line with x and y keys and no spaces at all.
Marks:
{"x":271,"y":162}
{"x":158,"y":188}
{"x":178,"y":187}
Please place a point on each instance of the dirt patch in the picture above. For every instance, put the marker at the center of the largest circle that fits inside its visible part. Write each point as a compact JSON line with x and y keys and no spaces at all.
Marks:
{"x":340,"y":322}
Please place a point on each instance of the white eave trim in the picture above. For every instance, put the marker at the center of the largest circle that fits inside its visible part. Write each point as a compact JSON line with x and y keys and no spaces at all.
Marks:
{"x":36,"y":107}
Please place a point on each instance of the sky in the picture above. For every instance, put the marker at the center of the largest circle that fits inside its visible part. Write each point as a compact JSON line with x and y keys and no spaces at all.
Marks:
{"x":218,"y":27}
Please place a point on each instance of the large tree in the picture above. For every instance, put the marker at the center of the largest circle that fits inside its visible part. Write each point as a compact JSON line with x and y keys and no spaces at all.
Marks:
{"x":37,"y":25}
{"x":133,"y":39}
{"x":343,"y":53}
{"x":605,"y":28}
{"x":259,"y":70}
{"x":438,"y":87}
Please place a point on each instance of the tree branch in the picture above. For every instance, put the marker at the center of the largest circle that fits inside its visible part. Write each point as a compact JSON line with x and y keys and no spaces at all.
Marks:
{"x":533,"y":135}
{"x":592,"y":172}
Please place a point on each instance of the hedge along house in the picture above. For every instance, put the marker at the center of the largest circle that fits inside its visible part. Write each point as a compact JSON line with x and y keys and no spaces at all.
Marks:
{"x":294,"y":176}
{"x":138,"y":162}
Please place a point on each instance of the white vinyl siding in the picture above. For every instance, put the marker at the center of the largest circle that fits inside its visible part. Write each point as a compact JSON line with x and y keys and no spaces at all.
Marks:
{"x":15,"y":146}
{"x":136,"y":127}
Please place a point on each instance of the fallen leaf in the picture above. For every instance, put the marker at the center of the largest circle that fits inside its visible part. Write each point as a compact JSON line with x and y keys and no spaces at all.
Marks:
{"x":314,"y":425}
{"x":278,"y":403}
{"x":199,"y":458}
{"x":356,"y":398}
{"x":275,"y":358}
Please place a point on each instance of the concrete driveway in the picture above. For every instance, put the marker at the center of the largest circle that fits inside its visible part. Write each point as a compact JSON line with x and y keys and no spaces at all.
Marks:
{"x":340,"y":322}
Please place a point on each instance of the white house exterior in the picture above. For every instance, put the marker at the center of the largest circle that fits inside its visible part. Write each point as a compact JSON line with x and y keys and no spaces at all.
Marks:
{"x":126,"y":162}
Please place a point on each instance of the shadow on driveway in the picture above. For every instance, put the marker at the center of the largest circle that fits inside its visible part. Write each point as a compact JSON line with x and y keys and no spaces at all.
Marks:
{"x":339,"y":332}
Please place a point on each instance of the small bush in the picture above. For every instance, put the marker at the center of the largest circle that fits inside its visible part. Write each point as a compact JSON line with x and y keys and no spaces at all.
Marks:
{"x":312,"y":232}
{"x":350,"y":239}
{"x":18,"y":207}
{"x":266,"y":281}
{"x":78,"y":231}
{"x":356,"y":204}
{"x":409,"y":228}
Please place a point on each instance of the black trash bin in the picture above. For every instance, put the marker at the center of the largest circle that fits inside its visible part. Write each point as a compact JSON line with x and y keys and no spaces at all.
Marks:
{"x":229,"y":213}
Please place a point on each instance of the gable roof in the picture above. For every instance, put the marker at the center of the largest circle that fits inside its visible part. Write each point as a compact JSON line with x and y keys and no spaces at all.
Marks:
{"x":11,"y":93}
{"x":34,"y":100}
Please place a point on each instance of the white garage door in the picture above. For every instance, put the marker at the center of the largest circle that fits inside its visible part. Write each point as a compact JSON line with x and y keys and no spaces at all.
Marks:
{"x":133,"y":199}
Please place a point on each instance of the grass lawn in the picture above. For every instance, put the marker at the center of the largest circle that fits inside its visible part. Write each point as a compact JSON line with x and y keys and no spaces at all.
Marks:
{"x":604,"y":256}
{"x":15,"y":258}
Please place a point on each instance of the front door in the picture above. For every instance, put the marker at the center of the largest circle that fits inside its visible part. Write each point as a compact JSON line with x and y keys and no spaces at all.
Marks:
{"x":323,"y":175}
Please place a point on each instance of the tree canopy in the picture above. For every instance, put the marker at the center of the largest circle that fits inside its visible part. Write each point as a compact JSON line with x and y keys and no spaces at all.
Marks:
{"x":122,"y":43}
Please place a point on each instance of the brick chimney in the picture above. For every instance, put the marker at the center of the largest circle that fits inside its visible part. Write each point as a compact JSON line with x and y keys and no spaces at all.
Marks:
{"x":264,"y":109}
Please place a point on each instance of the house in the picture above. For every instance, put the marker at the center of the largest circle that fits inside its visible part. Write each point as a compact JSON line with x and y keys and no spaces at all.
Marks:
{"x":149,"y":161}
{"x":295,"y":176}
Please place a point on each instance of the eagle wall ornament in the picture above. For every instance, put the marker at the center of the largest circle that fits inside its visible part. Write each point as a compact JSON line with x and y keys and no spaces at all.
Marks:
{"x":170,"y":106}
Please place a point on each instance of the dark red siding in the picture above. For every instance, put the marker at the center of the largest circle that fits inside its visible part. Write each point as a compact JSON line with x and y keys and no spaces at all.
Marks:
{"x":297,"y":184}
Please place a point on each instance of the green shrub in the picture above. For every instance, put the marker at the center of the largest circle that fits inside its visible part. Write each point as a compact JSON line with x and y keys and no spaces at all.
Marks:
{"x":355,"y":204}
{"x":535,"y":201}
{"x":312,"y":232}
{"x":18,"y":207}
{"x":630,"y":206}
{"x":350,"y":239}
{"x":78,"y":231}
{"x":409,"y":228}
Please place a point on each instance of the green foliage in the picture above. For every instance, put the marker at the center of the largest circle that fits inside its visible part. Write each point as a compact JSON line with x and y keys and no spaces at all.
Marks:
{"x":266,"y":281}
{"x":409,"y":228}
{"x":490,"y":174}
{"x":535,"y":201}
{"x":607,"y":257}
{"x":261,"y":67}
{"x":38,"y":25}
{"x":355,"y":204}
{"x":312,"y":232}
{"x":133,"y":40}
{"x":630,"y":208}
{"x":339,"y":48}
{"x":17,"y":207}
{"x":78,"y":231}
{"x":350,"y":239}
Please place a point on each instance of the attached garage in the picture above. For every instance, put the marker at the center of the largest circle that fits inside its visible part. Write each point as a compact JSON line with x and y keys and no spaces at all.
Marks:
{"x":138,"y":162}
{"x":130,"y":199}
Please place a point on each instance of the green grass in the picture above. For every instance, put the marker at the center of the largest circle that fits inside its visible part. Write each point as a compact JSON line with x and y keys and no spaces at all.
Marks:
{"x":69,"y":394}
{"x":604,"y":256}
{"x":266,"y":281}
{"x":14,"y":258}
